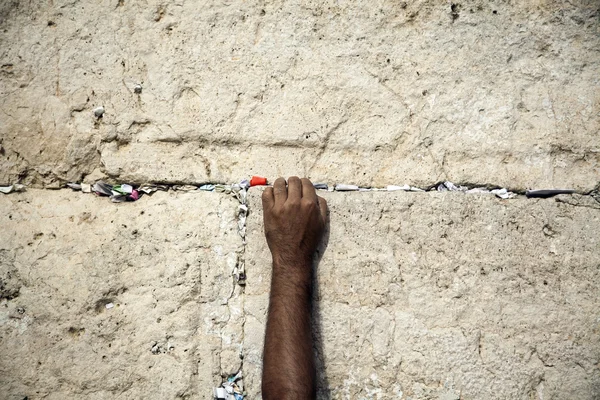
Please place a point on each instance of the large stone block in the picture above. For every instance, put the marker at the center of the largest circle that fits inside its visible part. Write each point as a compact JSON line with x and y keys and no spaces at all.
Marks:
{"x":118,"y":301}
{"x":354,"y":92}
{"x":446,"y":295}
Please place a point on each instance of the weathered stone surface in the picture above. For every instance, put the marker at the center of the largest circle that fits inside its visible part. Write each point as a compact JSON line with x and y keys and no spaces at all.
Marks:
{"x":424,"y":295}
{"x":355,"y":92}
{"x":446,"y":296}
{"x":164,"y":263}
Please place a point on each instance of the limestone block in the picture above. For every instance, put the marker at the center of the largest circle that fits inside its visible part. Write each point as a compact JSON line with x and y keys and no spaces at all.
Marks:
{"x":340,"y":91}
{"x":446,"y":295}
{"x":118,"y":301}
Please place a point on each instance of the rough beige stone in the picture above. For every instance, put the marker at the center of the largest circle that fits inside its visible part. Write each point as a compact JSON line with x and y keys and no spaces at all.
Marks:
{"x":446,"y":296}
{"x":118,"y":301}
{"x":422,"y":296}
{"x":354,"y":92}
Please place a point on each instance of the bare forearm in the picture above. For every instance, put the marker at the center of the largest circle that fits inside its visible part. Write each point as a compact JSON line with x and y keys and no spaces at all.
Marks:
{"x":294,"y":219}
{"x":289,"y":368}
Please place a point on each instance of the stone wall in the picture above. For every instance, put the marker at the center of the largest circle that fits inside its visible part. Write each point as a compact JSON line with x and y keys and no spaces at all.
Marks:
{"x":104,"y":302}
{"x":420,"y":295}
{"x":447,"y":296}
{"x":369,"y":93}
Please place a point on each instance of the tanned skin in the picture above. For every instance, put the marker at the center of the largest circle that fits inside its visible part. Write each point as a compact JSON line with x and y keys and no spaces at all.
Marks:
{"x":294,"y":219}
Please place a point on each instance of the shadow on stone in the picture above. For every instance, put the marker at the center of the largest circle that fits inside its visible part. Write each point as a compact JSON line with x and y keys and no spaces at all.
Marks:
{"x":323,"y":392}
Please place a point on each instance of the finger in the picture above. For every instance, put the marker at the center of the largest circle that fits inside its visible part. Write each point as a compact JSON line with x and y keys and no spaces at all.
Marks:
{"x":323,"y":207}
{"x":294,"y":188}
{"x":267,"y":198}
{"x":308,"y":190}
{"x":280,"y":193}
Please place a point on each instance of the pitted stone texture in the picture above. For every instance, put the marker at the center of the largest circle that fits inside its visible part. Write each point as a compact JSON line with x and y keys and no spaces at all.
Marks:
{"x":353,"y":92}
{"x":165,"y":264}
{"x":446,"y":295}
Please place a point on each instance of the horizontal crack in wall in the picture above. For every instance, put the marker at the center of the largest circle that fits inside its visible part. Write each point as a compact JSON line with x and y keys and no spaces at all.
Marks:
{"x":440,"y":186}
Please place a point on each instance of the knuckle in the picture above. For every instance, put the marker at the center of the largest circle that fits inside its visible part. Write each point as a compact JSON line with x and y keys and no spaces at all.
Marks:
{"x":306,"y":203}
{"x":293,"y":203}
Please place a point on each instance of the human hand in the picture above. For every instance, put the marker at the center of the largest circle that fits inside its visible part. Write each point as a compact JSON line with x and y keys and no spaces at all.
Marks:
{"x":294,"y":219}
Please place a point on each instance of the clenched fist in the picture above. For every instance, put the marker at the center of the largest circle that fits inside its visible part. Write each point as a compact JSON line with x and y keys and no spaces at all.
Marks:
{"x":294,"y":223}
{"x":294,"y":219}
